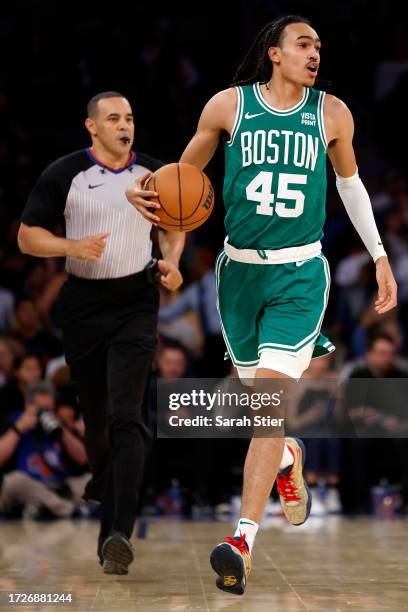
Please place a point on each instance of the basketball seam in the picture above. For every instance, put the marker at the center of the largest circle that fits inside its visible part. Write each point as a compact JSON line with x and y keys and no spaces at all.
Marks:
{"x":154,"y":187}
{"x":187,"y":224}
{"x":199,"y":201}
{"x":161,"y":203}
{"x":202,"y":189}
{"x":176,"y":218}
{"x":180,"y":199}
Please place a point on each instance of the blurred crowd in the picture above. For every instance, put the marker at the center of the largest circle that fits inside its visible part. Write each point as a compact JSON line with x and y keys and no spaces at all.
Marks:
{"x":168,"y":71}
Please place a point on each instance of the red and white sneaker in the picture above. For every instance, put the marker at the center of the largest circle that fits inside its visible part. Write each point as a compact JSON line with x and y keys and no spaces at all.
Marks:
{"x":231,"y":560}
{"x":294,"y":494}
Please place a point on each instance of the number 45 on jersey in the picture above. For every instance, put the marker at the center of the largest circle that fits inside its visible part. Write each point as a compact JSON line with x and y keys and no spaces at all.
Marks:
{"x":260,"y":190}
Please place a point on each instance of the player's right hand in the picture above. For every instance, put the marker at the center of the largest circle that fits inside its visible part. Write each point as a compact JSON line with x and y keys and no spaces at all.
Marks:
{"x":90,"y":248}
{"x":138,"y":196}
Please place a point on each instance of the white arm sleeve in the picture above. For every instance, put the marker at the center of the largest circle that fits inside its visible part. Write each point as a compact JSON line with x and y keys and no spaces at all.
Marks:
{"x":358,"y":206}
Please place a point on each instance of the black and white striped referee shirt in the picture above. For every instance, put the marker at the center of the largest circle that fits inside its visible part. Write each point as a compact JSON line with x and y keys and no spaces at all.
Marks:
{"x":89,"y":198}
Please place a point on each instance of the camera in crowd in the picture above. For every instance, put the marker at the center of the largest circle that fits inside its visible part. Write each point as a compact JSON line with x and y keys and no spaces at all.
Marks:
{"x":48,"y":422}
{"x":42,"y":395}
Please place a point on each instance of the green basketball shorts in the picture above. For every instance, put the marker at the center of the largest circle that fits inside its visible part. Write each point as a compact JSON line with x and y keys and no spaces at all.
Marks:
{"x":271,"y":315}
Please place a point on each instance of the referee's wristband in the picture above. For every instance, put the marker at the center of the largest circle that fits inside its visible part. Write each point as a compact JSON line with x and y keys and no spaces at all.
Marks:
{"x":12,"y":426}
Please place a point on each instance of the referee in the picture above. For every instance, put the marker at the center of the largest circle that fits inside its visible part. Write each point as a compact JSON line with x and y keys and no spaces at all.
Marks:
{"x":109,"y":303}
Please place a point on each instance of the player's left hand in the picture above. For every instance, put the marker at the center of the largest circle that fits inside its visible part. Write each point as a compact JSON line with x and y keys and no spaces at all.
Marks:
{"x":170,"y":275}
{"x":387,"y":287}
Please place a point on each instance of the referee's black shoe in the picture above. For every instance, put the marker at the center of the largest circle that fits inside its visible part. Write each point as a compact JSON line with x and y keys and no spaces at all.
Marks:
{"x":110,"y":567}
{"x":117,"y":553}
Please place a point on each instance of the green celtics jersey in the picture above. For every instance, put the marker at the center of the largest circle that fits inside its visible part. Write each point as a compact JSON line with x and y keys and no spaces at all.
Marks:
{"x":275,"y":172}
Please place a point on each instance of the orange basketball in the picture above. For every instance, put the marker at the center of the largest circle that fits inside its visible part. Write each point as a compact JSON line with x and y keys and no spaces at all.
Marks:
{"x":186,"y":196}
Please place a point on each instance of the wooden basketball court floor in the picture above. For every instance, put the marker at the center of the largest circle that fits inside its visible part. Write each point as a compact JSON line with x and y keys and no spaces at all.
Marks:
{"x":328,"y":564}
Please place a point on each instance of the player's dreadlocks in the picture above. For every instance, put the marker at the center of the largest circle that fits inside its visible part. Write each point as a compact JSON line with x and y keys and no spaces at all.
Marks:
{"x":256,"y":65}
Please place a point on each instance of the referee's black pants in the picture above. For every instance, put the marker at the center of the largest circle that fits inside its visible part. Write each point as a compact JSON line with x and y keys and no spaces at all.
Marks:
{"x":109,"y":339}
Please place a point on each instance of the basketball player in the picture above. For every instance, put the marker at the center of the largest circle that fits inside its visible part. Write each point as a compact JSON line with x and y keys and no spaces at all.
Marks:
{"x":109,"y":303}
{"x":273,"y":281}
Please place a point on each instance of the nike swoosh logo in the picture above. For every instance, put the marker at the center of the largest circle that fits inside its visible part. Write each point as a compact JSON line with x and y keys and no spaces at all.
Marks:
{"x":93,"y":186}
{"x":300,"y":263}
{"x":248,"y":116}
{"x":245,"y":523}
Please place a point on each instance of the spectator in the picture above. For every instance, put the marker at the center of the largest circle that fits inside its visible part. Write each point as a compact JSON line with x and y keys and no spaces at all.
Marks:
{"x":27,"y":370}
{"x":8,"y":353}
{"x":67,"y":414}
{"x":310,"y":414}
{"x":54,"y":365}
{"x":378,"y":413}
{"x":352,"y":277}
{"x":48,"y":305}
{"x":182,"y":328}
{"x":38,"y":445}
{"x":67,"y":398}
{"x":225,"y":485}
{"x":27,"y":329}
{"x":368,"y":324}
{"x":184,"y":462}
{"x":6,"y":308}
{"x":201,"y":298}
{"x":381,"y":360}
{"x":172,"y":360}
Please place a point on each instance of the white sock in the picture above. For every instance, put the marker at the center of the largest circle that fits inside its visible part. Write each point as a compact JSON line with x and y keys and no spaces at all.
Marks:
{"x":287,"y":458}
{"x":249,"y":528}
